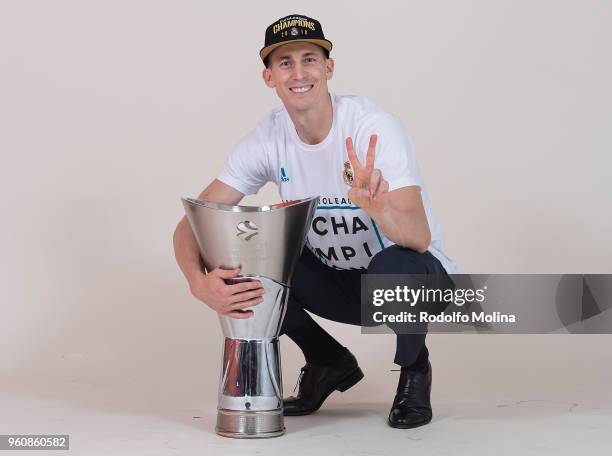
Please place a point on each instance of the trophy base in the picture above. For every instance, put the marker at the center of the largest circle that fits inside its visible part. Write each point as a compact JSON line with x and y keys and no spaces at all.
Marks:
{"x":250,"y":425}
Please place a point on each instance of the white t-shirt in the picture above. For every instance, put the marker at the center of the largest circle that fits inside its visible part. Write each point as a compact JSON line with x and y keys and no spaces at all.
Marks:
{"x":342,"y":235}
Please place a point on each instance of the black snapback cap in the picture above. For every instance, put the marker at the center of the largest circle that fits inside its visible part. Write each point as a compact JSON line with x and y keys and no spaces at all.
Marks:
{"x":293,"y":28}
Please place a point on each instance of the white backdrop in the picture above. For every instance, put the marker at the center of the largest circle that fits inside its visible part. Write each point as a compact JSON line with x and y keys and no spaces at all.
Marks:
{"x":110,"y":111}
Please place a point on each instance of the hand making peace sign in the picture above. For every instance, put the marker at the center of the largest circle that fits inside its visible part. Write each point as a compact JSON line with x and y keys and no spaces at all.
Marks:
{"x":370,"y":189}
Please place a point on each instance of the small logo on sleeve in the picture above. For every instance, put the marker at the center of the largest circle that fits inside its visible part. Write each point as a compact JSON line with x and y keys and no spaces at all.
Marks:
{"x":283,"y":175}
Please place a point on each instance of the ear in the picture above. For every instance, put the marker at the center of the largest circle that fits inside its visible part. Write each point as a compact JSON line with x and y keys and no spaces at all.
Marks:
{"x":329,"y":64}
{"x":267,"y":77}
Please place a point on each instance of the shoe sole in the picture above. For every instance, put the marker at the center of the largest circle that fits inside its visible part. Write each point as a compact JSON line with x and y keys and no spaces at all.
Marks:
{"x":409,"y":426}
{"x":349,"y":381}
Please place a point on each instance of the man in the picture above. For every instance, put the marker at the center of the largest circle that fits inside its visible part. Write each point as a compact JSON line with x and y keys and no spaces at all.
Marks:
{"x":373,"y":217}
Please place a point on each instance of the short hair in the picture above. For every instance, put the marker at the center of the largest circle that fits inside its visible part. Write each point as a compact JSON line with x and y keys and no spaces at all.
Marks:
{"x":266,"y":61}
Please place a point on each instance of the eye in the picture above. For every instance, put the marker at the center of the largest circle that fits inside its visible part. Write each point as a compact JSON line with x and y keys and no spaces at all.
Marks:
{"x":284,"y":63}
{"x":310,"y":59}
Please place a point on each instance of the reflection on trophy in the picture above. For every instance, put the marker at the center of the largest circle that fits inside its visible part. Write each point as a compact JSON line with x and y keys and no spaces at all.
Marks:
{"x":266,"y":243}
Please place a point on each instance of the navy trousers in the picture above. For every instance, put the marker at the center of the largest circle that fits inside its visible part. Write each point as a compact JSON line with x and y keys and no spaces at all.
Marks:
{"x":335,"y":294}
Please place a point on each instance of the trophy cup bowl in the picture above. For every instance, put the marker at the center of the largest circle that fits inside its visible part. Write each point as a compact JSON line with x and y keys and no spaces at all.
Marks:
{"x":266,"y":243}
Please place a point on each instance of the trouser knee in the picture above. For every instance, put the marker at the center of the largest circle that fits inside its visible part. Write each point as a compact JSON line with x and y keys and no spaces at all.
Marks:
{"x":402,"y":260}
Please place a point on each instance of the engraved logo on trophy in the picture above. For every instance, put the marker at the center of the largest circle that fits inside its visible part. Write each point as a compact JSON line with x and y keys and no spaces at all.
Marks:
{"x":246,"y":230}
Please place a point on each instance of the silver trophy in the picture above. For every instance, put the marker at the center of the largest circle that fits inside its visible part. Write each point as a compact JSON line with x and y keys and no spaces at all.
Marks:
{"x":266,"y":243}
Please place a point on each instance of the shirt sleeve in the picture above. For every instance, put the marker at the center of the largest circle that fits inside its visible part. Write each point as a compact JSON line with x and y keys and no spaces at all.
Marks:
{"x":394,"y":150}
{"x":247,"y":167}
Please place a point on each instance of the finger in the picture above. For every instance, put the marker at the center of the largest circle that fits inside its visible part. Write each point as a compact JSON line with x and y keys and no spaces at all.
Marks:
{"x":352,"y":156}
{"x":245,"y":304}
{"x":371,"y":153}
{"x":363,"y":182}
{"x":240,"y":314}
{"x":244,"y":286}
{"x":383,"y":188}
{"x":245,"y":296}
{"x":363,"y":194}
{"x":359,"y":197}
{"x":375,"y":179}
{"x":226,"y":273}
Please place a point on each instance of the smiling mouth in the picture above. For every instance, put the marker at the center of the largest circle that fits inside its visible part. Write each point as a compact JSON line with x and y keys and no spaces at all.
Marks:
{"x":301,"y":89}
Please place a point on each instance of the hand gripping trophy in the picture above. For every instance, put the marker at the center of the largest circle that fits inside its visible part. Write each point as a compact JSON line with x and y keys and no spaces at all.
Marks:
{"x":266,"y":243}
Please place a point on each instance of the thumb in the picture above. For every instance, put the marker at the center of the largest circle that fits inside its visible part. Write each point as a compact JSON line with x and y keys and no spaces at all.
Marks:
{"x":227,"y":273}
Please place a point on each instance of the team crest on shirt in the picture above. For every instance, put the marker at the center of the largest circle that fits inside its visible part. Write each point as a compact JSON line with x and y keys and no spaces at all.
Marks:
{"x":347,"y":174}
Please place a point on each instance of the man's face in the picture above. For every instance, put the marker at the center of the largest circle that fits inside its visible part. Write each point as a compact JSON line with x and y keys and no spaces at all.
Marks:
{"x":299,"y":72}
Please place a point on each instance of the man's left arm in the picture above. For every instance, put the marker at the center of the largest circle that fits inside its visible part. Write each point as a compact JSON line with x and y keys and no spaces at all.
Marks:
{"x":402,"y":219}
{"x":399,"y":213}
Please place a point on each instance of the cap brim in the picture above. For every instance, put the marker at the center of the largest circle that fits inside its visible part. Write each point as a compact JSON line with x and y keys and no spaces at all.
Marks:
{"x":265,"y":52}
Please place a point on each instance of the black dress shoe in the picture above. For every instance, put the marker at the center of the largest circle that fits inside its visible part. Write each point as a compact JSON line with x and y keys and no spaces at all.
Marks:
{"x":411,"y":406}
{"x":318,"y":382}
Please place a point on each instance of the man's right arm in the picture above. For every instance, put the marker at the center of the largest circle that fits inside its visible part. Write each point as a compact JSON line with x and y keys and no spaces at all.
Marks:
{"x":211,"y":288}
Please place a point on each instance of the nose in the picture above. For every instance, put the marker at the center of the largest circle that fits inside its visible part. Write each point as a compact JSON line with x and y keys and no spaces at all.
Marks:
{"x":298,"y":71}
